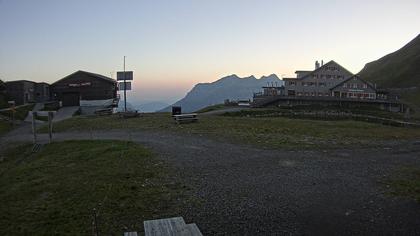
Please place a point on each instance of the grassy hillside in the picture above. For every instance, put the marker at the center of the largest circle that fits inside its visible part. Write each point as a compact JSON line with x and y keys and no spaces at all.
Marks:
{"x":399,"y":69}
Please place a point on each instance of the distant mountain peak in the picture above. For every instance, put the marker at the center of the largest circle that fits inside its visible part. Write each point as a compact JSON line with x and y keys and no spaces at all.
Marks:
{"x":249,"y":77}
{"x":230,"y":87}
{"x":272,"y":76}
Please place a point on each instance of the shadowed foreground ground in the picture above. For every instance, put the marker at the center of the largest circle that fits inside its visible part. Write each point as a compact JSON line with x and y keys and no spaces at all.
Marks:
{"x":244,"y":190}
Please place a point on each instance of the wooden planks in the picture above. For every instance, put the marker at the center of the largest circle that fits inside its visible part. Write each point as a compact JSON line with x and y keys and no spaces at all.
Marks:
{"x":170,"y":227}
{"x":130,"y":234}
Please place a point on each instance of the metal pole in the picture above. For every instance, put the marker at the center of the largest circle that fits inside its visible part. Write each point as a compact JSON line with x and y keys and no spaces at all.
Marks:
{"x":125,"y":93}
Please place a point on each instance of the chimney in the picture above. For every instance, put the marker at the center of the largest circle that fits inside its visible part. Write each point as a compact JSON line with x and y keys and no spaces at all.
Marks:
{"x":322,"y":62}
{"x":316,"y":65}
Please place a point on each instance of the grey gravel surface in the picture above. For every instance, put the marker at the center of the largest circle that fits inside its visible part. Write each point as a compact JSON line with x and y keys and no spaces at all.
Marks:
{"x":244,"y":190}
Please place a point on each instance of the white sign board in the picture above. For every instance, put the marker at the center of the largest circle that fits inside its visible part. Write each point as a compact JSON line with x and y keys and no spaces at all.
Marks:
{"x":128,"y":75}
{"x":127,"y":86}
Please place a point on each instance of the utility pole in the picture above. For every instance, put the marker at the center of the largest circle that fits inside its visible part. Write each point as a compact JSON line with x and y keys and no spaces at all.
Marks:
{"x":125,"y":93}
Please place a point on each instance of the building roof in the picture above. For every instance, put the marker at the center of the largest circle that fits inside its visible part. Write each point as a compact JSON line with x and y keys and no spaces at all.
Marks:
{"x":18,"y":81}
{"x":311,"y":72}
{"x":321,"y":67}
{"x":352,"y":77}
{"x":90,"y":74}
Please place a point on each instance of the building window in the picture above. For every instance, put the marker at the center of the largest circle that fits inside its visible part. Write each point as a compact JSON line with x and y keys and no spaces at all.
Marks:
{"x":344,"y":85}
{"x":365,"y":86}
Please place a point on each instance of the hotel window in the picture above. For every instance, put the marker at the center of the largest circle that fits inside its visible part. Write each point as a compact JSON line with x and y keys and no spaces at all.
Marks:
{"x":320,"y":94}
{"x":306,"y":94}
{"x":365,"y":86}
{"x":344,"y":85}
{"x":312,"y":94}
{"x":321,"y":84}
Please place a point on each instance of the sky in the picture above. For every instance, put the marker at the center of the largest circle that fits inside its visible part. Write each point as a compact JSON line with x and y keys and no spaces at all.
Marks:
{"x":173,"y":45}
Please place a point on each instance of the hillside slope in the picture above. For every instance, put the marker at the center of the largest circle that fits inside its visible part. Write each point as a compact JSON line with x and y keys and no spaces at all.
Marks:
{"x":399,"y":70}
{"x":230,"y":87}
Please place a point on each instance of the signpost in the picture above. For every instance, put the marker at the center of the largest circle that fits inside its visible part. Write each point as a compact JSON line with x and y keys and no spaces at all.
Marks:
{"x":125,"y":75}
{"x":128,"y":75}
{"x":124,"y":85}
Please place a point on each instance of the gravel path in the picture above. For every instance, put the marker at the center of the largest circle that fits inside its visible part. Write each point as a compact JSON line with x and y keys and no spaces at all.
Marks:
{"x":249,"y":191}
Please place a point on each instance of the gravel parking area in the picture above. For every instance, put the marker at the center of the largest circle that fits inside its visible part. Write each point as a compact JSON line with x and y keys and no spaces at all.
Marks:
{"x":248,"y":191}
{"x":241,"y":190}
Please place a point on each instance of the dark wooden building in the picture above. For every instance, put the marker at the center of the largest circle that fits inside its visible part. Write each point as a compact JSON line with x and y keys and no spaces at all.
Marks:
{"x":25,"y":91}
{"x":83,"y":85}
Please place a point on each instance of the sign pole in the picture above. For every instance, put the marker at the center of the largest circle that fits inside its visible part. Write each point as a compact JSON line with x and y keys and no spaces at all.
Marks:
{"x":125,"y":93}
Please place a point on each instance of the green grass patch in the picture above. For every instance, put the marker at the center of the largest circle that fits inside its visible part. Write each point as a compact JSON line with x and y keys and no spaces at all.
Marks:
{"x":270,"y":132}
{"x":55,"y":190}
{"x":21,"y":112}
{"x":211,"y":108}
{"x":5,"y":127}
{"x":406,"y":183}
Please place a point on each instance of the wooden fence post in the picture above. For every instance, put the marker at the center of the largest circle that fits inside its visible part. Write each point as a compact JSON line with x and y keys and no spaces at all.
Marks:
{"x":34,"y":126}
{"x":50,"y":125}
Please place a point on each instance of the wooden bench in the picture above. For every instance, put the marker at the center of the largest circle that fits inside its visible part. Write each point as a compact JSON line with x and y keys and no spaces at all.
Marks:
{"x":185,"y":118}
{"x":170,"y":227}
{"x":103,"y":112}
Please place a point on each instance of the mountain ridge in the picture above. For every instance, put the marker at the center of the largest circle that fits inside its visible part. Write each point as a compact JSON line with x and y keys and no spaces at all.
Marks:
{"x":230,"y":87}
{"x":398,"y":71}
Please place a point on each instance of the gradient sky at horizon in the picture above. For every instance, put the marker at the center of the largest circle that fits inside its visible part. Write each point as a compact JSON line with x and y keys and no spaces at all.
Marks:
{"x":172,"y":45}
